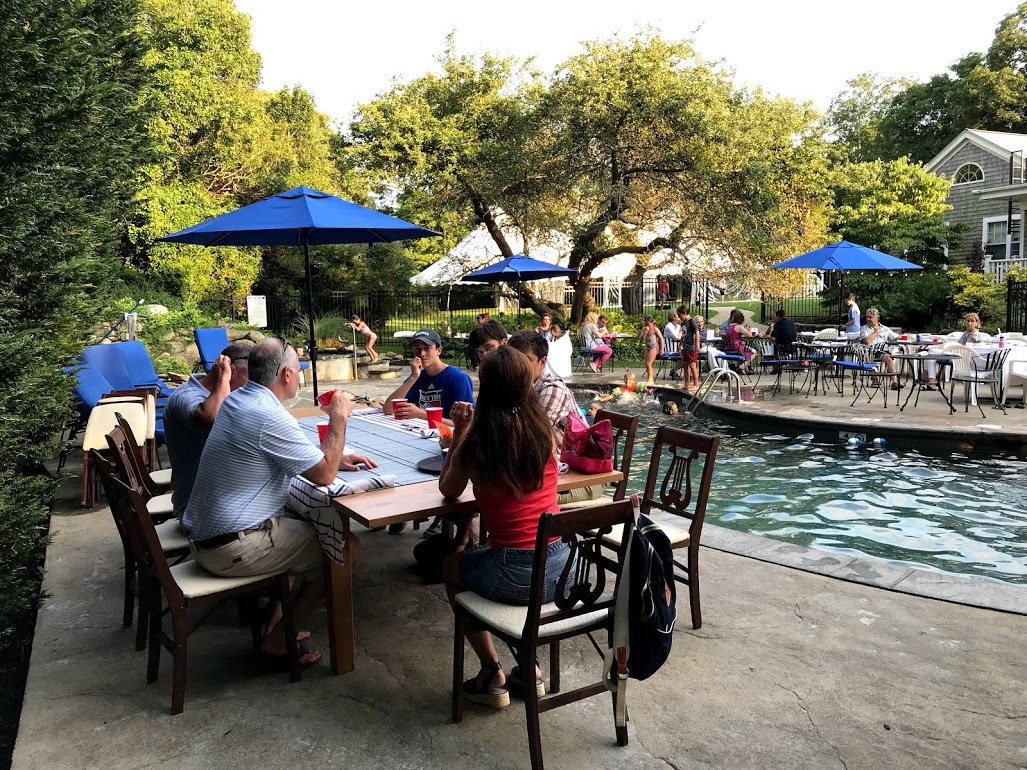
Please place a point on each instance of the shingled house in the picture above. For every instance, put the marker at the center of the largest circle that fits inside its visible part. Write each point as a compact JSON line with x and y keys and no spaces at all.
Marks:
{"x":989,"y":187}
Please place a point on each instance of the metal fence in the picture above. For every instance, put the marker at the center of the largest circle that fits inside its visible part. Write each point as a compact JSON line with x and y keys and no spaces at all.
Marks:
{"x":649,"y":296}
{"x":387,"y":312}
{"x":1016,"y":306}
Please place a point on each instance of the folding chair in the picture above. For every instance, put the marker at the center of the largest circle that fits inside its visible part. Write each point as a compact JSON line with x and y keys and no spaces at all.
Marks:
{"x":588,"y":608}
{"x":624,"y":428}
{"x":187,"y":585}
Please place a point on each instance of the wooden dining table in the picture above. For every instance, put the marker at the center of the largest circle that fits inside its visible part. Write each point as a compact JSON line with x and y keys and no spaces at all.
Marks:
{"x":381,"y":507}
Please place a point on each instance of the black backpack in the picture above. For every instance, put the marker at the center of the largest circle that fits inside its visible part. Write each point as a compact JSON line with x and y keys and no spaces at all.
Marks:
{"x":651,"y":600}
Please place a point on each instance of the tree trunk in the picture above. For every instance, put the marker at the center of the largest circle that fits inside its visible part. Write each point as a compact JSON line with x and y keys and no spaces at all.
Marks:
{"x":583,"y":301}
{"x":632,"y":299}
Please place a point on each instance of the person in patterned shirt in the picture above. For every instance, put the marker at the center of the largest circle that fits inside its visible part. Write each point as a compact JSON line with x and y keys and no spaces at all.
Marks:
{"x":557,"y":401}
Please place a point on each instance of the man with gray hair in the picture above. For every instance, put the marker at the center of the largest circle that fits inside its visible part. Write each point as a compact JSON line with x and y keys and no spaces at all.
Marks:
{"x":189,"y":416}
{"x":235,"y":517}
{"x":877,"y":337}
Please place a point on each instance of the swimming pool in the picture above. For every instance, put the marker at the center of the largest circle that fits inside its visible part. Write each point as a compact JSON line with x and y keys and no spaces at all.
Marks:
{"x":916,"y":504}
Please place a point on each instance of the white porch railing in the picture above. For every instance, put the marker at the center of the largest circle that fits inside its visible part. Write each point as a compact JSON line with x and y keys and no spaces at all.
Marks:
{"x":999,"y":267}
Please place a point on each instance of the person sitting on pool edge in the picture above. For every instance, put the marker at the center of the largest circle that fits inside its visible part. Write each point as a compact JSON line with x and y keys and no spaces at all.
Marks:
{"x":432,"y":382}
{"x":877,"y":336}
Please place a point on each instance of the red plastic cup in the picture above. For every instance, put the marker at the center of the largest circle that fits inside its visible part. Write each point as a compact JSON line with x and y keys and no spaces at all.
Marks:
{"x":396,"y":402}
{"x":434,"y":415}
{"x":325,"y":398}
{"x":904,"y":337}
{"x":322,"y":431}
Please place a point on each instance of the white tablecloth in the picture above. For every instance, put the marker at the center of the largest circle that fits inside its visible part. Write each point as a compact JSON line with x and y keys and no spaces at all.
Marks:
{"x":1017,"y":355}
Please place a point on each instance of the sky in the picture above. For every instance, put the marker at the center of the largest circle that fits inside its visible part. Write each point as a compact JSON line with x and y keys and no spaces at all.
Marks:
{"x":346,"y":53}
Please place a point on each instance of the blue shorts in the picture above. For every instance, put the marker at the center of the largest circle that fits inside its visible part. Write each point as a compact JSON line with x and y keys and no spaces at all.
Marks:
{"x":504,"y":574}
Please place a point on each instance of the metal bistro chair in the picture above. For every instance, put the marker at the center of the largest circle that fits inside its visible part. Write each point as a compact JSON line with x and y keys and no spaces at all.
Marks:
{"x":584,"y":605}
{"x":870,"y":370}
{"x":784,"y":359}
{"x":671,"y":353}
{"x":187,"y":585}
{"x":972,"y":369}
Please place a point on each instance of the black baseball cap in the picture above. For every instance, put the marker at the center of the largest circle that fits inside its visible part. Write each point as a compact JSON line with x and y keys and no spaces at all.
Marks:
{"x":427,"y":335}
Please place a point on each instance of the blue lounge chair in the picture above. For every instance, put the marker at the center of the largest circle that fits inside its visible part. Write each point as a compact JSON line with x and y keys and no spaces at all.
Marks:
{"x":211,"y":341}
{"x":140,"y":368}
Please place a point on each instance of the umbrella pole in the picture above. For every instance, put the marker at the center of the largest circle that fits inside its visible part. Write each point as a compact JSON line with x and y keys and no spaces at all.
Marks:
{"x":518,"y":302}
{"x":312,"y":344}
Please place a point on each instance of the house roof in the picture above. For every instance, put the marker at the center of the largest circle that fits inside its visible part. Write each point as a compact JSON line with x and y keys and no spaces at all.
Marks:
{"x":998,"y":143}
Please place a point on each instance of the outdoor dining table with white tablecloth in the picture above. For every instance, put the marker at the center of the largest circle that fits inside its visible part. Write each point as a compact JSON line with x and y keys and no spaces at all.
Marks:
{"x":1017,"y":355}
{"x":396,"y":491}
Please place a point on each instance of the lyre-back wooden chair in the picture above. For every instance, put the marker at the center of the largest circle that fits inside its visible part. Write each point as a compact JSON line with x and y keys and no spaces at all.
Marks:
{"x":673,"y":491}
{"x":625,"y":427}
{"x":584,"y":604}
{"x":121,"y":450}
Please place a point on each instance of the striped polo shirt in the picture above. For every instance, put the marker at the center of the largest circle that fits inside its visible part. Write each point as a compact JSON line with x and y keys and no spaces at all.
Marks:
{"x":251,"y":455}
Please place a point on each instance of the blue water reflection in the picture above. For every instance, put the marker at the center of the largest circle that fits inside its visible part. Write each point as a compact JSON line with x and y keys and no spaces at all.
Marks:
{"x":914,"y":504}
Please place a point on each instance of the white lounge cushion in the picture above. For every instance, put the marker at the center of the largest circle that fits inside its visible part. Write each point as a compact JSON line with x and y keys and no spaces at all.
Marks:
{"x":509,"y":618}
{"x":195,"y":581}
{"x":160,"y":505}
{"x":162,"y":477}
{"x":172,"y":536}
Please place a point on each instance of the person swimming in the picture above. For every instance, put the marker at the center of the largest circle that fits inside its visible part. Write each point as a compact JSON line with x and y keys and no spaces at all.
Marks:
{"x":630,"y":386}
{"x":670,"y":407}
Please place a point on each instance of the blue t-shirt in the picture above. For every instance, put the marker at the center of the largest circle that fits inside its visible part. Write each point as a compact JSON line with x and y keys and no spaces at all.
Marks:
{"x":185,"y":443}
{"x":443,"y":389}
{"x":853,"y":320}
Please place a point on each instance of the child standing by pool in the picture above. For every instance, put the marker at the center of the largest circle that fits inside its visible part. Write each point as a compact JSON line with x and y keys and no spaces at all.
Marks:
{"x":371,"y":337}
{"x":653,"y":340}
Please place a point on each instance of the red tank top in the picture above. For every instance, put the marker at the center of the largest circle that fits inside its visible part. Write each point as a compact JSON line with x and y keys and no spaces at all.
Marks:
{"x":512,"y":523}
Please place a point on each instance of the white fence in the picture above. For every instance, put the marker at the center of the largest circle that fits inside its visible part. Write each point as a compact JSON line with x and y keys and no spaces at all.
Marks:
{"x":999,"y":267}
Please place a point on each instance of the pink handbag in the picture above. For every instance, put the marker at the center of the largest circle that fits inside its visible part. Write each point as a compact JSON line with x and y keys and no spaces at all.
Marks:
{"x":587,"y":448}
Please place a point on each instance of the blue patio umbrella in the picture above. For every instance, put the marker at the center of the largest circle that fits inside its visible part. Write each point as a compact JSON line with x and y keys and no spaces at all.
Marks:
{"x":516,"y":269}
{"x":300,"y":217}
{"x":843,"y":256}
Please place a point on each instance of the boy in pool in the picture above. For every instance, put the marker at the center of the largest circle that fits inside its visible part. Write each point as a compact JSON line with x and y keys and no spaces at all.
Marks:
{"x":629,"y":386}
{"x":671,"y":408}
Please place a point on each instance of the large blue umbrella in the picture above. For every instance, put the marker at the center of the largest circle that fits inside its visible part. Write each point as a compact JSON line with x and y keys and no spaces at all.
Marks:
{"x":300,"y":217}
{"x":516,"y":269}
{"x":842,"y":256}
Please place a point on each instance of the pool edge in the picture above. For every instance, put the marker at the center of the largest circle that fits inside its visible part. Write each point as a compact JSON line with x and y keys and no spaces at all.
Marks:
{"x":981,"y":593}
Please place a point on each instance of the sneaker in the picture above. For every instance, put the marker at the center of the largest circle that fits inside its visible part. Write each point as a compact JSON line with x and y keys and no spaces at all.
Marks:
{"x":434,"y":529}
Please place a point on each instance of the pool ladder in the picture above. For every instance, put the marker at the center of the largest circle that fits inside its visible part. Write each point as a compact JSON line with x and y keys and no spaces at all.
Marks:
{"x":711,"y":380}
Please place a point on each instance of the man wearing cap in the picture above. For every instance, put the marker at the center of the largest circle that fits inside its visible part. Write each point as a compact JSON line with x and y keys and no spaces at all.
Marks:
{"x":432,"y":382}
{"x":189,"y":416}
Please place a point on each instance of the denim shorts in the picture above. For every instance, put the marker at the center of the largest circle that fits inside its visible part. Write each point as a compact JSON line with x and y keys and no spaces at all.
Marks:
{"x":504,"y":574}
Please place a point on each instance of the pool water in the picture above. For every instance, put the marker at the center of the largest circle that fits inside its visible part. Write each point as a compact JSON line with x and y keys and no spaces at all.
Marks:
{"x":916,"y":504}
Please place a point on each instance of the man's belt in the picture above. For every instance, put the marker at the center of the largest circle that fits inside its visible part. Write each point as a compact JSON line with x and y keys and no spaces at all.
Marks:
{"x":230,"y":537}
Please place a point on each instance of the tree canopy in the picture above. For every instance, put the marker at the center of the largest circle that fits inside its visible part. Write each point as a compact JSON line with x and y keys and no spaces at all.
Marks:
{"x":630,"y":147}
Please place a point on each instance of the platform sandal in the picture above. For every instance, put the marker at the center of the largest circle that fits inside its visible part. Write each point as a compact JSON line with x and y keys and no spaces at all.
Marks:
{"x":496,"y":697}
{"x":515,"y":681}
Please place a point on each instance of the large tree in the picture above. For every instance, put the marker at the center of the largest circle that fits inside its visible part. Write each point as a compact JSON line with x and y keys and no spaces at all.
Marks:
{"x":632,"y":147}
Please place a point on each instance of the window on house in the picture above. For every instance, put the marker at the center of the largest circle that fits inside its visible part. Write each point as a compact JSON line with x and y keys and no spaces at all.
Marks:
{"x":998,"y":242}
{"x":968,"y":172}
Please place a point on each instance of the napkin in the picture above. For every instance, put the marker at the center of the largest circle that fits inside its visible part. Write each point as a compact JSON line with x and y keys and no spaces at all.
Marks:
{"x":429,"y":433}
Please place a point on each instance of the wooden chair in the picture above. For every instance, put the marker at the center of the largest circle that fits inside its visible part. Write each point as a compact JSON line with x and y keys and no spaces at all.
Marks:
{"x":173,"y":541}
{"x":121,"y":450}
{"x":673,"y":493}
{"x":624,"y":428}
{"x":102,"y":418}
{"x":187,"y":585}
{"x":588,"y":607}
{"x":155,"y":482}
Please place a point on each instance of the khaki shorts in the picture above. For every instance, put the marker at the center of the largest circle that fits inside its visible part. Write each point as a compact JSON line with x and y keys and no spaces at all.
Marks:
{"x":285,"y":545}
{"x":581,"y":494}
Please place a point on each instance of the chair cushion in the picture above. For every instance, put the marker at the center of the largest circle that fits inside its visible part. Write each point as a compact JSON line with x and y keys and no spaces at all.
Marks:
{"x":160,"y":505}
{"x":162,"y":477}
{"x":195,"y":581}
{"x":509,"y":618}
{"x":678,"y":536}
{"x":172,"y":536}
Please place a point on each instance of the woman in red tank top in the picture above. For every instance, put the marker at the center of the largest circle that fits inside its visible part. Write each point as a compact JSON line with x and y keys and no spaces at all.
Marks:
{"x":505,"y":447}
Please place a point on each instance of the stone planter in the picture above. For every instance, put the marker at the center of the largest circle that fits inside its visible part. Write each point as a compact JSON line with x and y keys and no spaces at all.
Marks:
{"x":331,"y":368}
